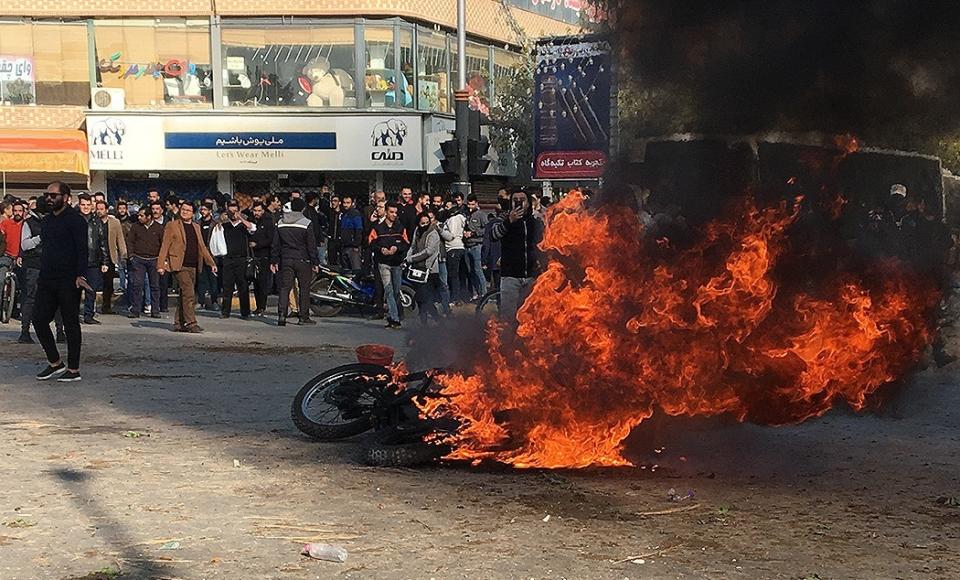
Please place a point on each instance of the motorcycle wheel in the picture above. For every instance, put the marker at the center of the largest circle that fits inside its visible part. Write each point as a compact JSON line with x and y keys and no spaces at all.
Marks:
{"x":323,"y":309}
{"x":391,"y":449}
{"x":408,"y":298}
{"x":489,"y":305}
{"x":327,"y":424}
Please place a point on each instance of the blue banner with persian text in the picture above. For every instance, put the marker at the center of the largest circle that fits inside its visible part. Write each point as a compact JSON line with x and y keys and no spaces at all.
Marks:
{"x":250,"y":140}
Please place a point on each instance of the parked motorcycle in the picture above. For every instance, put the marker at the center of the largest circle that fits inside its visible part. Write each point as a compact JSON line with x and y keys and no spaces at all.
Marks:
{"x":351,"y":399}
{"x":331,"y":291}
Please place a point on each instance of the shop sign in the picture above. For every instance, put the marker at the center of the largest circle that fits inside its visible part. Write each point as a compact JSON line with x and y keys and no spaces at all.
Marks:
{"x":571,"y":122}
{"x":275,"y":143}
{"x":17,"y":84}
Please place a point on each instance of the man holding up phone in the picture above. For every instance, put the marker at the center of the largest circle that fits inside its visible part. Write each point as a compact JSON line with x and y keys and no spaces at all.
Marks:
{"x":519,"y":233}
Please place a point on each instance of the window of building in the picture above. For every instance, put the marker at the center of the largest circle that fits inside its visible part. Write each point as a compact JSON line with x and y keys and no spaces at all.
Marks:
{"x":380,"y":80}
{"x":158,"y":62}
{"x":44,"y":63}
{"x":433,"y":73}
{"x":505,"y":65}
{"x":478,"y":76}
{"x":407,"y":73}
{"x":289,"y":66}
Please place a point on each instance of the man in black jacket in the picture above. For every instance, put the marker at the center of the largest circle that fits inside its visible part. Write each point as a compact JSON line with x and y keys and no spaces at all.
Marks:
{"x":98,"y":256}
{"x":207,"y":291}
{"x":333,"y":232}
{"x":63,"y":266}
{"x":236,"y":232}
{"x":389,"y":241}
{"x":294,"y":255}
{"x":319,"y":221}
{"x":519,"y":233}
{"x":261,"y":242}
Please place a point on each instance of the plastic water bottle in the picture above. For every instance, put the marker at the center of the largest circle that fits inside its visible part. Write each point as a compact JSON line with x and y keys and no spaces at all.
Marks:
{"x":325,"y":552}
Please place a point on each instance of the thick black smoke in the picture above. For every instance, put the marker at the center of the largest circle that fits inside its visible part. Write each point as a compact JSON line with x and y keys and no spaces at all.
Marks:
{"x":885,"y":70}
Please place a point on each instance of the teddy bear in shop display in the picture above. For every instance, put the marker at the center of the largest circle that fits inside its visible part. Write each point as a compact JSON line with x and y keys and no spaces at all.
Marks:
{"x":325,"y":87}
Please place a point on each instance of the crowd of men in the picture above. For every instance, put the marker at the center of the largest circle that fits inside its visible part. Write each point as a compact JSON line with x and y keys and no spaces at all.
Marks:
{"x":67,"y":249}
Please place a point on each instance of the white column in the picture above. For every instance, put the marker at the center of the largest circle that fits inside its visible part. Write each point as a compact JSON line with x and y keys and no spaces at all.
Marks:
{"x":98,"y":182}
{"x":224,"y":182}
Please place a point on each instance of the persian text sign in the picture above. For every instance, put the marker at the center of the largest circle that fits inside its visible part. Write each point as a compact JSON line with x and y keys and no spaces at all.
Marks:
{"x":14,"y":68}
{"x":571,"y":165}
{"x":571,"y":121}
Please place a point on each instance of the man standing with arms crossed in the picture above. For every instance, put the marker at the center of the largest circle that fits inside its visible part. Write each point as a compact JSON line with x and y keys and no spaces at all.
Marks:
{"x":63,"y":263}
{"x":182,"y":251}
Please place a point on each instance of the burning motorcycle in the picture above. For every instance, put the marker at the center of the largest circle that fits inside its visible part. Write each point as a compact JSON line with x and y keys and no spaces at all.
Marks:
{"x":351,"y":399}
{"x":331,"y":291}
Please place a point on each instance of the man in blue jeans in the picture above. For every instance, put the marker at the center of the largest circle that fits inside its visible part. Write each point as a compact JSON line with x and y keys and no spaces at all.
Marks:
{"x":473,"y":244}
{"x":98,"y":256}
{"x":388,"y":239}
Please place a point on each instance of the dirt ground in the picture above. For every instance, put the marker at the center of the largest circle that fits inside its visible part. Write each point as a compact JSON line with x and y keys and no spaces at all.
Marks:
{"x":176,"y":458}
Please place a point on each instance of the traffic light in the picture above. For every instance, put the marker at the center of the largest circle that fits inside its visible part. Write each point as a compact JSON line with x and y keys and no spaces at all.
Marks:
{"x":476,"y":152}
{"x":451,"y":156}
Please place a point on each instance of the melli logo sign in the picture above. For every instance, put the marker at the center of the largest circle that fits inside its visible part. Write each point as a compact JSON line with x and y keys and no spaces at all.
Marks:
{"x":386,"y":137}
{"x":106,"y":139}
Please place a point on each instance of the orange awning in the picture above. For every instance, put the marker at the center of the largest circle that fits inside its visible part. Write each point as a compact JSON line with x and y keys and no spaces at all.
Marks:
{"x":44,"y":151}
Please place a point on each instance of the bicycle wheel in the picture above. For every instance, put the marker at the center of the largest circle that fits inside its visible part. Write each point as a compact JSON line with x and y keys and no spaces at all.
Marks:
{"x":337,"y":403}
{"x":489,"y":305}
{"x":9,"y":292}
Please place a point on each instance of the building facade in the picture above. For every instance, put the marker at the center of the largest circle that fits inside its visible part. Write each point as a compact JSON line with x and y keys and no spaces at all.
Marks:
{"x":196,"y":96}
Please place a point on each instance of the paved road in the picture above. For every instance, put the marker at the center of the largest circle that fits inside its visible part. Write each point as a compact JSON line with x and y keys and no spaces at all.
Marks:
{"x":141,"y":456}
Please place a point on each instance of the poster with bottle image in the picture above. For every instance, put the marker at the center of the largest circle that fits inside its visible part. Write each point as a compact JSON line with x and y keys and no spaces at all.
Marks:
{"x":571,"y":121}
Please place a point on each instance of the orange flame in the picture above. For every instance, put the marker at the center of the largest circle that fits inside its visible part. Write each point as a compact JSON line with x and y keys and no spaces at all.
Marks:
{"x":610,"y":333}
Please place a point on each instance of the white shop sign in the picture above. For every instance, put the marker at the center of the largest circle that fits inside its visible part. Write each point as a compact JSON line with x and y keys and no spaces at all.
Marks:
{"x":255,"y":142}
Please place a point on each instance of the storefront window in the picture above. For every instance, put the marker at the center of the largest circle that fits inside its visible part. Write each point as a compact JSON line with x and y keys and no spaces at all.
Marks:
{"x":161,"y":62}
{"x":44,"y":63}
{"x":379,"y":82}
{"x":433,"y":79}
{"x":289,"y":66}
{"x":478,"y":76}
{"x":406,"y":68}
{"x":505,"y":64}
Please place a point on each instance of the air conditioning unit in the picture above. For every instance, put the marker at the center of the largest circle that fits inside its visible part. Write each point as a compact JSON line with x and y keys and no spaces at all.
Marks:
{"x":106,"y":99}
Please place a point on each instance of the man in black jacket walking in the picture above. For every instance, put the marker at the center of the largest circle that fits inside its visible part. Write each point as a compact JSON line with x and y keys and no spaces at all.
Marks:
{"x":294,"y":255}
{"x":63,"y":266}
{"x":98,"y":256}
{"x":519,"y":233}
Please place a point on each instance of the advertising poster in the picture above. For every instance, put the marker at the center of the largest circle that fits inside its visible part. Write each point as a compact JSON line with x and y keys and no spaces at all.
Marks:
{"x":571,"y":120}
{"x":17,"y":85}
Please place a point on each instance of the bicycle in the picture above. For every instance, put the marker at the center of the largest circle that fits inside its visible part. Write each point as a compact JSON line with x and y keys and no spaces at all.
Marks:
{"x":8,"y":296}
